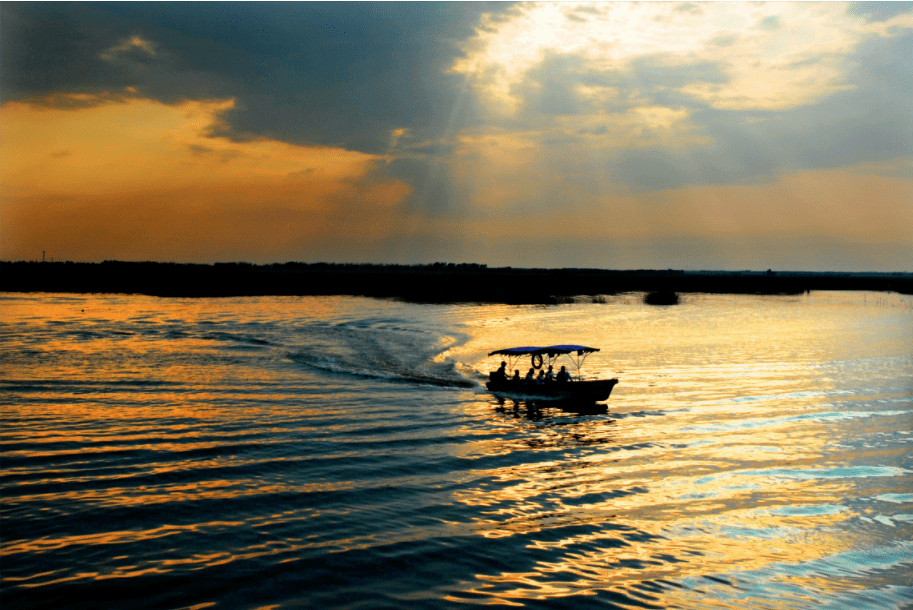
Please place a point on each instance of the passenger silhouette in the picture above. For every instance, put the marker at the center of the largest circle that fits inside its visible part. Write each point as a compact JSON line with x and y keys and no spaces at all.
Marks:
{"x":501,"y":374}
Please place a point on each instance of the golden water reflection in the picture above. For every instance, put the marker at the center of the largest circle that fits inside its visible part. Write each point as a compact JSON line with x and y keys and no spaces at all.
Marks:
{"x":705,"y":490}
{"x":735,"y":457}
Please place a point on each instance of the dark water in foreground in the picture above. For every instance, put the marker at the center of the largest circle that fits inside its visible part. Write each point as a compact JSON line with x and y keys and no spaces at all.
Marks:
{"x":340,"y":452}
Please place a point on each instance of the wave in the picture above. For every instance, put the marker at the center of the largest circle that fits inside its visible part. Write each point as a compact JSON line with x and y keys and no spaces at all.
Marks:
{"x":388,"y":350}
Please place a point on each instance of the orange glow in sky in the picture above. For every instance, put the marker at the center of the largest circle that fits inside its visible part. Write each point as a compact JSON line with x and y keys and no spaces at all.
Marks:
{"x":612,"y":135}
{"x":138,"y":178}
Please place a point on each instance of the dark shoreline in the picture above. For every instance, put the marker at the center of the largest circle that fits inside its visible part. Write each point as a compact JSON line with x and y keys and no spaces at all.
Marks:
{"x":437,"y":283}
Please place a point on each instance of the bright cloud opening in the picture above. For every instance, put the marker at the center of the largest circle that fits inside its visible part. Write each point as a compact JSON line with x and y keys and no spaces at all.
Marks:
{"x":774,"y":56}
{"x":134,"y":43}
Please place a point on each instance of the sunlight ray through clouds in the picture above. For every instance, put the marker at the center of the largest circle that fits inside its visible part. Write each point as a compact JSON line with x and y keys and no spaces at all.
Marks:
{"x":579,"y":133}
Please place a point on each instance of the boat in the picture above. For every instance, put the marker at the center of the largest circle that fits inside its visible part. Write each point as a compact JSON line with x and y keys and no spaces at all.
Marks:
{"x":576,"y":390}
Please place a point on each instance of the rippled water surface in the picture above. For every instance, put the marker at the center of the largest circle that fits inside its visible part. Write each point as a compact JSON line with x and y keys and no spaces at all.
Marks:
{"x":342,"y":452}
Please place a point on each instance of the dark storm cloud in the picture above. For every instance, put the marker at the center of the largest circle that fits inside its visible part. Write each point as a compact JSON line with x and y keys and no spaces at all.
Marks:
{"x":337,"y":74}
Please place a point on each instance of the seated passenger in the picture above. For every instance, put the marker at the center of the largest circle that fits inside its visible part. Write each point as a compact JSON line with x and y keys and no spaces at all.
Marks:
{"x":563,"y":376}
{"x":540,"y":380}
{"x":550,"y":376}
{"x":501,"y":374}
{"x":516,"y":378}
{"x":530,"y":378}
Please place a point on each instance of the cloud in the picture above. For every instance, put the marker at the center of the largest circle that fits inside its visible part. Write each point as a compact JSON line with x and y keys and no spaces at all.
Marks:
{"x":142,"y":179}
{"x":774,"y":22}
{"x":696,"y":99}
{"x":313,"y":74}
{"x":134,"y":46}
{"x":794,"y":57}
{"x":414,"y":130}
{"x":688,"y":7}
{"x":879,"y":11}
{"x":333,"y":74}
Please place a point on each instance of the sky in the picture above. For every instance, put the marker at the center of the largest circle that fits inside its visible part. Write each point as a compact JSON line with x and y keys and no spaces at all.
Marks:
{"x":610,"y":135}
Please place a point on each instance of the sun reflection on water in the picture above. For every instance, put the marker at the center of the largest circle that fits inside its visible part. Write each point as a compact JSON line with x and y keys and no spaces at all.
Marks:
{"x":755,"y":452}
{"x":744,"y":476}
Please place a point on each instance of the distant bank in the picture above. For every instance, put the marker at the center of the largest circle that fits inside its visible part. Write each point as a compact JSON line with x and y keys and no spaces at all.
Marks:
{"x":437,"y":283}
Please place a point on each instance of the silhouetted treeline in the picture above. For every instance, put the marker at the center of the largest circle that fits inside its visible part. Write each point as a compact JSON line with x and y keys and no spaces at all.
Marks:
{"x":438,"y":282}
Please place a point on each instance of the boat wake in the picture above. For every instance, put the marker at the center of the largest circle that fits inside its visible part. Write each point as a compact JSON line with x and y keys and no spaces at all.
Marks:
{"x":386,"y":350}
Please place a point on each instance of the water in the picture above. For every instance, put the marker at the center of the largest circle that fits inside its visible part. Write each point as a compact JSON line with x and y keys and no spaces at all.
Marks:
{"x":342,"y":452}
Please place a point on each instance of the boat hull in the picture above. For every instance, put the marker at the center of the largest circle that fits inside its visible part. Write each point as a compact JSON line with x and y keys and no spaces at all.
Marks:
{"x":577,"y":391}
